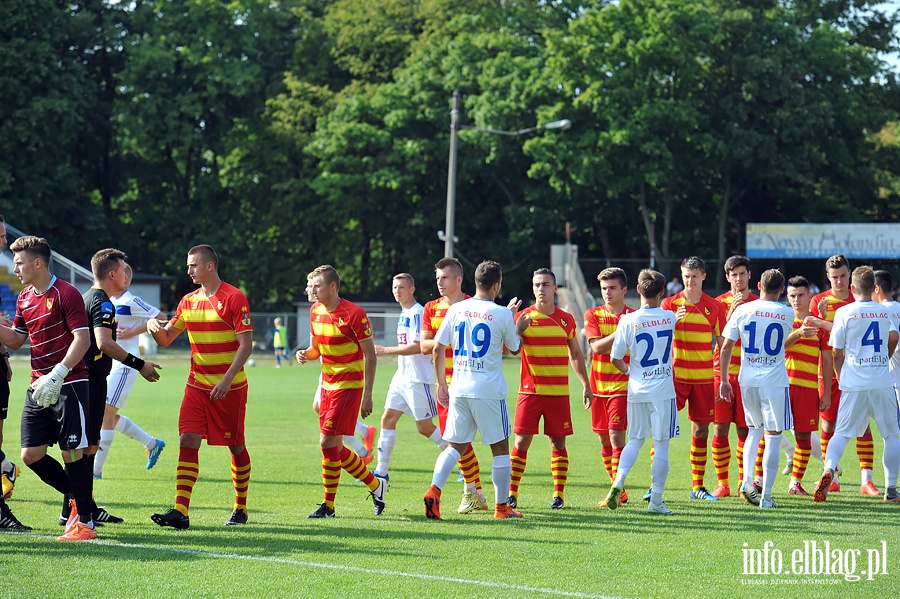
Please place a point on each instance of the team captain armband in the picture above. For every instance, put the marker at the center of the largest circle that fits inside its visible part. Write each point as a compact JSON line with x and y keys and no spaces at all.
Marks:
{"x":133,"y":361}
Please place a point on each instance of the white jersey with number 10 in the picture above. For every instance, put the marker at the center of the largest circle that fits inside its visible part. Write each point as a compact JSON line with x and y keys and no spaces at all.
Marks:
{"x":762,"y":326}
{"x":647,"y":333}
{"x":477,"y":329}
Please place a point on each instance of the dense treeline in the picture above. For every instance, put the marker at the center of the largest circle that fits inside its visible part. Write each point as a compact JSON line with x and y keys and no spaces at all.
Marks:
{"x":289,"y":133}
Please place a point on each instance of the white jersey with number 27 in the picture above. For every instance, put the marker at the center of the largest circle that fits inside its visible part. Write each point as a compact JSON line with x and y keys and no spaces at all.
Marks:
{"x":477,"y":329}
{"x":647,"y":333}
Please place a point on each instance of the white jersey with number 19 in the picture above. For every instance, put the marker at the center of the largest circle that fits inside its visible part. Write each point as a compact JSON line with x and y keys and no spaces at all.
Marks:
{"x":861,"y":329}
{"x":647,"y":333}
{"x":762,"y":326}
{"x":477,"y":329}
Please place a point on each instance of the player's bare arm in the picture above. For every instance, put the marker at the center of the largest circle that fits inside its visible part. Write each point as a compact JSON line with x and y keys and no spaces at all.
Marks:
{"x":10,"y":337}
{"x":893,"y":336}
{"x":162,"y":331}
{"x":311,"y":353}
{"x":107,"y":345}
{"x":827,"y":374}
{"x":725,"y":390}
{"x":838,"y":355}
{"x":514,"y":305}
{"x":368,"y":348}
{"x":245,"y":346}
{"x":620,"y":364}
{"x":602,"y":345}
{"x":410,"y":349}
{"x":576,"y":361}
{"x":443,"y":393}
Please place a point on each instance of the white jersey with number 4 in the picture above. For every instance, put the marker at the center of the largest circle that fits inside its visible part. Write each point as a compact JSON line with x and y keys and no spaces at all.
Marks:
{"x":132,"y":312}
{"x":647,"y":333}
{"x":861,"y":329}
{"x":417,"y":367}
{"x":477,"y":329}
{"x":894,"y":312}
{"x":762,"y":326}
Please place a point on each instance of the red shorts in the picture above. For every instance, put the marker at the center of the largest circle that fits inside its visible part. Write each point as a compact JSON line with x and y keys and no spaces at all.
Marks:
{"x":220,"y":422}
{"x":442,"y":416}
{"x":700,"y":399}
{"x":339,"y":411}
{"x":609,"y":412}
{"x":831,"y":413}
{"x":727,"y":412}
{"x":805,"y":409}
{"x":554,"y":409}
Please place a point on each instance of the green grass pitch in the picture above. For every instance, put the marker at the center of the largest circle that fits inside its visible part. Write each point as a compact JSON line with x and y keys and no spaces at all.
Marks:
{"x":580,"y":551}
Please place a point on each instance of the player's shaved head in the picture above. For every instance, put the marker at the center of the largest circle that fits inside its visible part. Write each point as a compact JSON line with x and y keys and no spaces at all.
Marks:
{"x":206,"y":254}
{"x":33,"y":247}
{"x":405,"y":276}
{"x":545,"y":271}
{"x":328,"y":273}
{"x":451,"y":263}
{"x":864,"y":280}
{"x":772,"y":281}
{"x":487,"y":275}
{"x":105,"y":261}
{"x":650,"y":283}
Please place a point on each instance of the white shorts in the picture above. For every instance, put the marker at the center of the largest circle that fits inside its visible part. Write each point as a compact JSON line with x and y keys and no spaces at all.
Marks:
{"x":119,"y":384}
{"x":857,"y":407}
{"x":413,"y":399}
{"x":490,"y":417}
{"x":657,"y":420}
{"x":768,"y":408}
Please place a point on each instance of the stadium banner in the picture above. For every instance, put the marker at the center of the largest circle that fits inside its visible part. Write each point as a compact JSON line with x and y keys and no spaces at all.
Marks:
{"x":815,"y":240}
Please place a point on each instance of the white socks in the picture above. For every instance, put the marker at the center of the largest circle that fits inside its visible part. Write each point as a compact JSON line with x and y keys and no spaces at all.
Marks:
{"x":770,"y":463}
{"x":751,"y":449}
{"x":628,"y":459}
{"x":891,"y":460}
{"x":501,"y":473}
{"x":386,"y":441}
{"x":444,"y":466}
{"x":836,"y":448}
{"x":659,"y":471}
{"x":355,"y":445}
{"x":106,"y":439}
{"x":133,"y":431}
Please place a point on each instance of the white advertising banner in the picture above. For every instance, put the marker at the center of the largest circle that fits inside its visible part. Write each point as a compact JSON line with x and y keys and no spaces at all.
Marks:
{"x":814,"y":240}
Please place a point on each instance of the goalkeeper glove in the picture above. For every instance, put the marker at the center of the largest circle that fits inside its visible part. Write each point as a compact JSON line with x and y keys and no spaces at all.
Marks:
{"x":45,"y":390}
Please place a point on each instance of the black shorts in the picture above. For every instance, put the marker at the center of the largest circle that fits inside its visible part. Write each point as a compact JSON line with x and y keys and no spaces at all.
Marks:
{"x":96,"y":407}
{"x":4,"y":390}
{"x":63,"y":423}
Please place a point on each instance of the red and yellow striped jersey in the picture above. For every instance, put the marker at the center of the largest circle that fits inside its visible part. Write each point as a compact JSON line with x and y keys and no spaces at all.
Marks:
{"x":735,"y":366}
{"x":432,"y":317}
{"x":693,"y":343}
{"x":605,"y":378}
{"x":802,"y":358}
{"x":337,"y":334}
{"x":833,"y":304}
{"x":213,"y":324}
{"x":545,"y":352}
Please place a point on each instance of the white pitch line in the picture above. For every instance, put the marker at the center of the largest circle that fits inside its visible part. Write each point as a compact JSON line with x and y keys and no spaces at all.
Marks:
{"x":294,"y":562}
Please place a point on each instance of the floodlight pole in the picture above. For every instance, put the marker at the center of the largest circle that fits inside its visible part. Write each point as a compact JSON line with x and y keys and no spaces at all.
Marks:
{"x":449,"y":225}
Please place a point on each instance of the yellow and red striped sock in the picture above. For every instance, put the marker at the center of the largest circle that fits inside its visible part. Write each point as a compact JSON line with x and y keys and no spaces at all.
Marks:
{"x":616,"y":456}
{"x":739,"y":455}
{"x":721,"y":453}
{"x":652,"y":453}
{"x":185,"y":477}
{"x":865,"y":450}
{"x":559,"y":466}
{"x":354,"y":466}
{"x":826,"y":437}
{"x":240,"y":476}
{"x":331,"y":473}
{"x":468,"y":465}
{"x":517,"y":461}
{"x":758,"y":474}
{"x":698,"y":462}
{"x":606,"y":452}
{"x":802,"y":451}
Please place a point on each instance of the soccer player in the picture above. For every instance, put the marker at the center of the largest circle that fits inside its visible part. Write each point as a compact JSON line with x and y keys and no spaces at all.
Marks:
{"x":884,"y":286}
{"x":448,"y":277}
{"x":412,"y":388}
{"x":609,"y":410}
{"x":361,"y":447}
{"x":549,"y":346}
{"x":737,"y":273}
{"x":700,"y":320}
{"x":806,"y":345}
{"x":476,"y":330}
{"x":341,"y":334}
{"x":132,"y":314}
{"x":279,"y":341}
{"x":217,"y":319}
{"x":50,"y":315}
{"x":762,"y":327}
{"x":108,"y":267}
{"x":864,"y":337}
{"x":8,"y":471}
{"x":822,"y":310}
{"x":646,"y":334}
